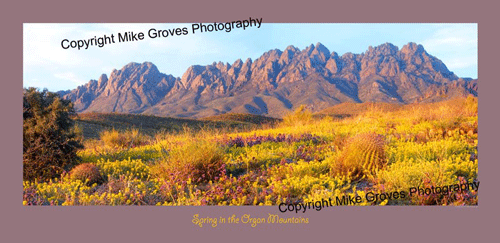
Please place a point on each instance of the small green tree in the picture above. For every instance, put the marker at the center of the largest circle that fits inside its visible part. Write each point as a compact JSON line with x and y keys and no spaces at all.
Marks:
{"x":49,"y":138}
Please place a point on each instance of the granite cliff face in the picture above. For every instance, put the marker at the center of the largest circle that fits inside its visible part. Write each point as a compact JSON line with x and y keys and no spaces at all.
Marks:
{"x":276,"y":82}
{"x":132,"y":89}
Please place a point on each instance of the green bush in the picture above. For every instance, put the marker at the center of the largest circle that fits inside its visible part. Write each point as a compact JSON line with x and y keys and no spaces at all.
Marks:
{"x":49,"y":138}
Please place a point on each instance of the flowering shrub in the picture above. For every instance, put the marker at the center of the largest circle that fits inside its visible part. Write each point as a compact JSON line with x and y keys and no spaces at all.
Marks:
{"x":128,"y":168}
{"x":239,"y":141}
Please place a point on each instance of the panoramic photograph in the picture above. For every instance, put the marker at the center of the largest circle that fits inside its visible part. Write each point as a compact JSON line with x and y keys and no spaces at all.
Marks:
{"x":247,"y":113}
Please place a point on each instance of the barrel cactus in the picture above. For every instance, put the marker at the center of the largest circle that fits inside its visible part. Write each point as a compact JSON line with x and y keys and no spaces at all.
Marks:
{"x":87,"y":173}
{"x":363,"y":155}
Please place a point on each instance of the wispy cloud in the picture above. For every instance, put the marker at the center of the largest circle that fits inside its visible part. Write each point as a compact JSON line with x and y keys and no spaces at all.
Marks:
{"x":40,"y":45}
{"x":461,"y":62}
{"x":456,"y":45}
{"x":47,"y":64}
{"x":70,"y":76}
{"x":454,"y":35}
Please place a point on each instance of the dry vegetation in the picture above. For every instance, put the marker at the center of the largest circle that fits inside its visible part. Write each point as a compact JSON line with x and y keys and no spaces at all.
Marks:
{"x":347,"y":150}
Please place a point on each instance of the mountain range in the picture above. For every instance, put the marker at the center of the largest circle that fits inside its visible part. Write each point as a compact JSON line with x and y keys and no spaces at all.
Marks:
{"x":276,"y":83}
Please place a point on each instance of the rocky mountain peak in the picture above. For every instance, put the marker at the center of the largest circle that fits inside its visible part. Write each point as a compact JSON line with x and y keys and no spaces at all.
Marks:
{"x":412,"y":48}
{"x":288,"y":54}
{"x":320,"y":54}
{"x":192,"y":72}
{"x":309,"y":49}
{"x":103,"y":81}
{"x":349,"y":55}
{"x":291,"y":48}
{"x":238,"y":63}
{"x":275,"y":83}
{"x":320,"y":48}
{"x":385,"y":49}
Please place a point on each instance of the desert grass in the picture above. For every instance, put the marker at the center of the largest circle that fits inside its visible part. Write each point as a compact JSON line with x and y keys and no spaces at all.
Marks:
{"x":305,"y":157}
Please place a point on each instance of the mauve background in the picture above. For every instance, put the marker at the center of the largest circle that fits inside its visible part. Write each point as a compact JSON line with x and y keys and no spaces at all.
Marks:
{"x":167,"y":224}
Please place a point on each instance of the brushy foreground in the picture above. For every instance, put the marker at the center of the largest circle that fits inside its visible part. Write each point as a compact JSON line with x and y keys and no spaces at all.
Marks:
{"x":302,"y":159}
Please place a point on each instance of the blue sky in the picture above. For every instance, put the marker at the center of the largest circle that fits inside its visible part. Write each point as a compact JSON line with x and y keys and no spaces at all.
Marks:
{"x":47,"y":65}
